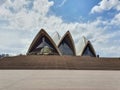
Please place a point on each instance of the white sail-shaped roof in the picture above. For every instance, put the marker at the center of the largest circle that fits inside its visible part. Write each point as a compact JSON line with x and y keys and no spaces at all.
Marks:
{"x":80,"y":45}
{"x":56,"y":37}
{"x":41,"y":40}
{"x":66,"y":45}
{"x":85,"y":48}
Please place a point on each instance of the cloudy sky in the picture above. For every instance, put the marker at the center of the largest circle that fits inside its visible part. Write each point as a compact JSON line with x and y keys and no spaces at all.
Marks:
{"x":98,"y":20}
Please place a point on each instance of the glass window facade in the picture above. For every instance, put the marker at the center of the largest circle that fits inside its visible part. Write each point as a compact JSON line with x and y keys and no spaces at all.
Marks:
{"x":44,"y":46}
{"x":65,"y":48}
{"x":88,"y":52}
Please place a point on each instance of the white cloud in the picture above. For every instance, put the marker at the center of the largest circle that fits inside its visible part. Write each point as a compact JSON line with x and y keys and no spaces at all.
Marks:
{"x":2,"y":1}
{"x":116,"y":20}
{"x":106,"y":5}
{"x":14,"y":41}
{"x":42,"y":6}
{"x":63,"y":2}
{"x":24,"y":23}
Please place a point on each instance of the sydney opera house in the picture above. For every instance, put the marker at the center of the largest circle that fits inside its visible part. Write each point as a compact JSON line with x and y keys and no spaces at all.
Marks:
{"x":56,"y":52}
{"x":43,"y":44}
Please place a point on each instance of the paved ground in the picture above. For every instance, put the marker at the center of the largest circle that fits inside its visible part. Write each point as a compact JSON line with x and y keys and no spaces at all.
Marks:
{"x":59,"y":80}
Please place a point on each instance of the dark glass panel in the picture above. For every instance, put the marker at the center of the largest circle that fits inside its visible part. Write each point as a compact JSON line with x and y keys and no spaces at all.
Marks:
{"x":43,"y":45}
{"x":88,"y":52}
{"x":65,"y":48}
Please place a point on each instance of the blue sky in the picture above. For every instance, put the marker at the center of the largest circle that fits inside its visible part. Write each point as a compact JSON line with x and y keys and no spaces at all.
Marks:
{"x":97,"y":20}
{"x":72,"y":11}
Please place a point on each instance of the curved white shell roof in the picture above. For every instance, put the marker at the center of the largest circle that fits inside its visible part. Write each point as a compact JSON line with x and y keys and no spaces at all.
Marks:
{"x":79,"y":48}
{"x":56,"y":37}
{"x":40,"y":34}
{"x":80,"y":45}
{"x":68,"y":40}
